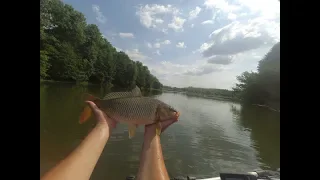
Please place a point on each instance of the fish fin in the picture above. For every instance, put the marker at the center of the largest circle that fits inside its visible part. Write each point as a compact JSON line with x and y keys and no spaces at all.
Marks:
{"x":86,"y":113}
{"x":158,"y":128}
{"x":88,"y":97}
{"x":136,"y":91}
{"x":132,"y":130}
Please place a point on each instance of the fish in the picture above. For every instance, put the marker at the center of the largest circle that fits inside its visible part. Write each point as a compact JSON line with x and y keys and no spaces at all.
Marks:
{"x":133,"y":109}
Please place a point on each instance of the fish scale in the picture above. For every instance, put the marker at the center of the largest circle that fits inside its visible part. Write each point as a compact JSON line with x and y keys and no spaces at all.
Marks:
{"x":133,"y":109}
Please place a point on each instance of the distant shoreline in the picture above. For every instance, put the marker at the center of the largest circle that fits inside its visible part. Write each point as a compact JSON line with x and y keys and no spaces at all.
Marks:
{"x":89,"y":84}
{"x":66,"y":82}
{"x":221,"y":98}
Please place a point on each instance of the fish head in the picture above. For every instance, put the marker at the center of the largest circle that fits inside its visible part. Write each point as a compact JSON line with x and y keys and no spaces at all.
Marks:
{"x":166,"y":112}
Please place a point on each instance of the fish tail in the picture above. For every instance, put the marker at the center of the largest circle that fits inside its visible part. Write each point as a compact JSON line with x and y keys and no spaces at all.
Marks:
{"x":158,"y":128}
{"x":86,"y":113}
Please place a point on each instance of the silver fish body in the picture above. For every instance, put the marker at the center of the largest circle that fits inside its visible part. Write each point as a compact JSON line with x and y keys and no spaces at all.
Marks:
{"x":135,"y":110}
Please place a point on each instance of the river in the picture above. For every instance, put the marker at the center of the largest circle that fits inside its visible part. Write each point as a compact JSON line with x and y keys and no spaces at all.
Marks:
{"x":210,"y":137}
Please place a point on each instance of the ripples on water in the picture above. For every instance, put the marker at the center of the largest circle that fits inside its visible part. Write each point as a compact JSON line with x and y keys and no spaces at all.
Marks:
{"x":210,"y":137}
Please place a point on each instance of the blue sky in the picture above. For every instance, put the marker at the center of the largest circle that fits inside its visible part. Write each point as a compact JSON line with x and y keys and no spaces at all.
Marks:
{"x":203,"y":43}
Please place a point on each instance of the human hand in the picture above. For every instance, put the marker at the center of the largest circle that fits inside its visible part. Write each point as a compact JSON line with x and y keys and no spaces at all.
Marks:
{"x":101,"y":117}
{"x":150,"y":130}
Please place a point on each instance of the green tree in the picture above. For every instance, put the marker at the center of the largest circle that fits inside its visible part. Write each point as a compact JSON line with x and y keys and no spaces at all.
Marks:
{"x":72,"y":50}
{"x":140,"y":81}
{"x":262,"y":87}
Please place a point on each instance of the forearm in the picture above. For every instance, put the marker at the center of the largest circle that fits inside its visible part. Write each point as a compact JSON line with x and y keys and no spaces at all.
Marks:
{"x":81,"y":162}
{"x":151,"y":161}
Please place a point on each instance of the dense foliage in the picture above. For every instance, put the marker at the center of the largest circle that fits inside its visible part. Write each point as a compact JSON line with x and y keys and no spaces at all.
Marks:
{"x":262,"y":87}
{"x":72,"y":50}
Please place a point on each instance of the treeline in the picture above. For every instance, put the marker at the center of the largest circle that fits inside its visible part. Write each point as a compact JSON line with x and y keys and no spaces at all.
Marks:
{"x":262,"y":87}
{"x":72,"y":50}
{"x":205,"y":92}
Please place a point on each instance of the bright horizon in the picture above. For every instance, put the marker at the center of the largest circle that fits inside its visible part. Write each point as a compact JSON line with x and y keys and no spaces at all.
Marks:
{"x":189,"y":43}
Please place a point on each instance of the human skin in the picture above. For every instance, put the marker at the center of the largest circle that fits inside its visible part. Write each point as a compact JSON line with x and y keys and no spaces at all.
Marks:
{"x":81,"y":162}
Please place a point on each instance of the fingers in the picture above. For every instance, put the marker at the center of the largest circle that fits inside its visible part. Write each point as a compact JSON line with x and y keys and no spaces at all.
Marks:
{"x":92,"y":105}
{"x":97,"y":112}
{"x":166,"y":124}
{"x":100,"y":115}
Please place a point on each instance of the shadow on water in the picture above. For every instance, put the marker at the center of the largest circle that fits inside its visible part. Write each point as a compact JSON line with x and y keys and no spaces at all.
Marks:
{"x":264,"y":126}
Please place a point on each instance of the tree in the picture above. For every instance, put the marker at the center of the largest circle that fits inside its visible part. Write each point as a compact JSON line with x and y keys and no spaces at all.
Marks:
{"x":72,"y":50}
{"x":262,"y":87}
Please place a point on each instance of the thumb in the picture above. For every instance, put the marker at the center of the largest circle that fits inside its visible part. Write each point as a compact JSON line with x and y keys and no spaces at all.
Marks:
{"x":97,"y":112}
{"x":92,"y":105}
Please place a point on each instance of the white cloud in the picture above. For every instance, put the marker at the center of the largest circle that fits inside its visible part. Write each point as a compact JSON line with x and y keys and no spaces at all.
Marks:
{"x":136,"y":55}
{"x":181,"y":45}
{"x":245,"y":27}
{"x":266,"y":9}
{"x":202,"y":70}
{"x":260,"y":28}
{"x":238,"y":37}
{"x":204,"y":47}
{"x":158,"y":21}
{"x":224,"y":60}
{"x":157,"y":52}
{"x":164,"y":30}
{"x":149,"y":45}
{"x":221,"y":4}
{"x":168,"y":71}
{"x":126,"y":35}
{"x":118,"y":49}
{"x":156,"y":45}
{"x":232,"y":16}
{"x":177,"y":24}
{"x":207,"y":22}
{"x":151,"y":16}
{"x":166,"y":42}
{"x":194,"y":13}
{"x":99,"y":16}
{"x":202,"y":73}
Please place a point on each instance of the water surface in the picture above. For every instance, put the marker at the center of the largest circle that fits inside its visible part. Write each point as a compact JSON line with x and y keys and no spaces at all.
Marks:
{"x":211,"y":136}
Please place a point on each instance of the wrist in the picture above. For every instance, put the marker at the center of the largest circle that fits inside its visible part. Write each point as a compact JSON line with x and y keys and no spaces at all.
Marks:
{"x":104,"y":128}
{"x":149,"y":131}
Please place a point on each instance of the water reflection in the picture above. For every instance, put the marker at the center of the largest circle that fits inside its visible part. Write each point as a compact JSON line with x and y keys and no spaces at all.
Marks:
{"x":210,"y":137}
{"x":264,"y":127}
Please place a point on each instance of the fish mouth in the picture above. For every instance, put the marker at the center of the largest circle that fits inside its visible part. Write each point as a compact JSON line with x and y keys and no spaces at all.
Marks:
{"x":177,"y":115}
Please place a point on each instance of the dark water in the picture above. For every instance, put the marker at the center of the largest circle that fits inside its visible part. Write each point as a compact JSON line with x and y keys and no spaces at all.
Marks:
{"x":211,"y":136}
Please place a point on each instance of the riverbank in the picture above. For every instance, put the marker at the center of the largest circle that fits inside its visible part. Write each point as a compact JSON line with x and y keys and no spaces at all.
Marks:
{"x":66,"y":82}
{"x":219,"y":98}
{"x":92,"y":84}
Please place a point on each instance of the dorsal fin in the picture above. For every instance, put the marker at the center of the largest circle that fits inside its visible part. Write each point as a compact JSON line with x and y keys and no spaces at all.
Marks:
{"x":135,"y":92}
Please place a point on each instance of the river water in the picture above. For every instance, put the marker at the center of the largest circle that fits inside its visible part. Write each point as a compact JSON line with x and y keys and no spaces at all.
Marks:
{"x":210,"y":137}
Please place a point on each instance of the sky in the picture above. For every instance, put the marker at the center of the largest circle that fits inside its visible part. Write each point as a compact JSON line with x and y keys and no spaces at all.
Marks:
{"x":200,"y":43}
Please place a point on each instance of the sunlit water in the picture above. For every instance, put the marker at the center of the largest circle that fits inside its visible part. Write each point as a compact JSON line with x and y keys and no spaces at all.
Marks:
{"x":210,"y":137}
